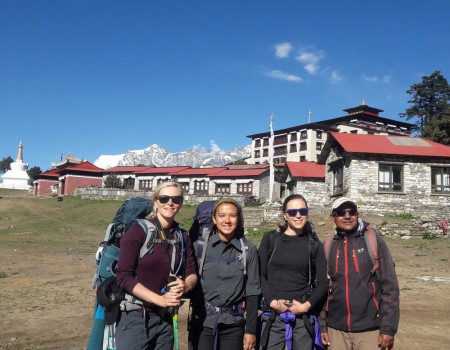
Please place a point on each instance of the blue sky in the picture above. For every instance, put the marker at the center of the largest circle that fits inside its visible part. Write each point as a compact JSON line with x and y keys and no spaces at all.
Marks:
{"x":104,"y":77}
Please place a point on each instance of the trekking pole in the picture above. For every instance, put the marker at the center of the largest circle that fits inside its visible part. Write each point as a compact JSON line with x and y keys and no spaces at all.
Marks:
{"x":174,"y":311}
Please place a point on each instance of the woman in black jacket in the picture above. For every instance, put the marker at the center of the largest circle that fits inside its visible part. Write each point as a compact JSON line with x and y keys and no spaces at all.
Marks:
{"x":293,"y":292}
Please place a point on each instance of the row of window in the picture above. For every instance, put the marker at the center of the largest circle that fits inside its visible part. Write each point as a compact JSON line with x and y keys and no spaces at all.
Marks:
{"x":200,"y":187}
{"x":390,"y":179}
{"x":283,"y":139}
{"x":283,"y":149}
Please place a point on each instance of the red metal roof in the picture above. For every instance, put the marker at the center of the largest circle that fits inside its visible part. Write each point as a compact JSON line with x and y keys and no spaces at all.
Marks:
{"x":83,"y":167}
{"x":240,"y":173}
{"x":306,"y":169}
{"x":199,"y":171}
{"x":388,"y":144}
{"x":247,"y":166}
{"x":163,"y":170}
{"x":127,"y":169}
{"x":51,"y":173}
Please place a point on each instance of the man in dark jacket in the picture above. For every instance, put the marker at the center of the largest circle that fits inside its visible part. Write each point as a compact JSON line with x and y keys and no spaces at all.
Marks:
{"x":362,"y":311}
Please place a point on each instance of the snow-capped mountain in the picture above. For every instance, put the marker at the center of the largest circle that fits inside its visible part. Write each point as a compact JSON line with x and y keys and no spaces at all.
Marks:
{"x":158,"y":156}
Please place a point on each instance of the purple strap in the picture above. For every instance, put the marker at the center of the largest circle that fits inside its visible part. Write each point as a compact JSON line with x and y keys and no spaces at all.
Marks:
{"x":289,"y":321}
{"x":318,"y":345}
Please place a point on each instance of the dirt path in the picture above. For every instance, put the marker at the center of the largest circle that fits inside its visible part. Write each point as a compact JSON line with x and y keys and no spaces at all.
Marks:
{"x":47,"y":303}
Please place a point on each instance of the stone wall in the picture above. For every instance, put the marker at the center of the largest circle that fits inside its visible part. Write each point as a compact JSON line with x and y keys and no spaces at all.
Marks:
{"x":361,"y":184}
{"x":253,"y":216}
{"x":314,"y":192}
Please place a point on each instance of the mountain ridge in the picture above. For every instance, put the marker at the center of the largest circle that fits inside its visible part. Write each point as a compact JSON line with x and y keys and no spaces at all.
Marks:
{"x":155,"y":155}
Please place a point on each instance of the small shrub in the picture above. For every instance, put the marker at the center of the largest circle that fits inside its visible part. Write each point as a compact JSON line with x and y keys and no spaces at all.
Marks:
{"x":429,"y":235}
{"x":3,"y":274}
{"x":407,"y":216}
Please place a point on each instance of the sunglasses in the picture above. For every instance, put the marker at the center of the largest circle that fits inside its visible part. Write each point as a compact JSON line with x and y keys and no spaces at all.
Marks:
{"x":293,"y":212}
{"x":175,"y":199}
{"x":341,"y":213}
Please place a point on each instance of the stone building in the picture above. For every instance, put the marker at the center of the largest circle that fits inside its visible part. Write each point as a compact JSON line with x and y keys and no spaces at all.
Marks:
{"x":305,"y":178}
{"x":304,"y":142}
{"x":388,"y":174}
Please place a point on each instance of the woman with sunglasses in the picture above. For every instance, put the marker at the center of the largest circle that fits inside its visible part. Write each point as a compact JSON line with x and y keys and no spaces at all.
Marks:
{"x":156,"y":281}
{"x":293,"y":279}
{"x":229,"y":275}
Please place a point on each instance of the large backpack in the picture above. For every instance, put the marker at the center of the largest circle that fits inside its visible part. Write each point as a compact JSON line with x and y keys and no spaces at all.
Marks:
{"x":202,"y":220}
{"x":133,"y":211}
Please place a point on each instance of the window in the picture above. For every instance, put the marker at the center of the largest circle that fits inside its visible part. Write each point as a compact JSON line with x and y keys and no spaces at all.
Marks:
{"x":278,"y":151}
{"x":319,"y":134}
{"x":293,"y":148}
{"x":279,"y":140}
{"x":245,"y":189}
{"x":223,"y":188}
{"x":303,"y":158}
{"x":128,"y":183}
{"x":266,"y":142}
{"x":318,"y":146}
{"x":185,"y":186}
{"x":303,"y":146}
{"x":338,"y":179}
{"x":160,"y":181}
{"x":265,"y":152}
{"x":293,"y":137}
{"x":257,"y":154}
{"x":145,"y":185}
{"x":440,"y":180}
{"x":390,"y":178}
{"x":303,"y":135}
{"x":258,"y":143}
{"x":201,"y":187}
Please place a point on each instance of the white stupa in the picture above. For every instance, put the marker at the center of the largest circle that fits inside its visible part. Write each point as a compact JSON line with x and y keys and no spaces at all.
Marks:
{"x":17,"y":178}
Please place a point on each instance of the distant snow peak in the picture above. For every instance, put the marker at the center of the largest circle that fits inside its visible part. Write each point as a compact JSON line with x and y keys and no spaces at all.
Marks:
{"x":155,"y":155}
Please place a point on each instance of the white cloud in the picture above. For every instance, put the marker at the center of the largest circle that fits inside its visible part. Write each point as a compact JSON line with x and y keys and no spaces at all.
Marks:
{"x":336,"y":77}
{"x":385,"y":79}
{"x":278,"y":74}
{"x":310,"y":60}
{"x":282,"y":50}
{"x":214,"y":147}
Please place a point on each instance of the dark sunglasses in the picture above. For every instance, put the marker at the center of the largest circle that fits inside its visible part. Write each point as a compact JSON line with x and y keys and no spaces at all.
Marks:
{"x":341,"y":213}
{"x":293,"y":212}
{"x":175,"y":199}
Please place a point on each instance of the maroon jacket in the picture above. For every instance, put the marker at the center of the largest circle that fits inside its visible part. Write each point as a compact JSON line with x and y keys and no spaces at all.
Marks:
{"x":152,"y":269}
{"x":357,"y":300}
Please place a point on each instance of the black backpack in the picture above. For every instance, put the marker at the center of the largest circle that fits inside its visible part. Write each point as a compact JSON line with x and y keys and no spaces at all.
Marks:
{"x":202,"y":220}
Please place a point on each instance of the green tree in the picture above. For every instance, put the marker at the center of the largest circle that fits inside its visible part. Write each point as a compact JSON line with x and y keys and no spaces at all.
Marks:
{"x":33,"y":173}
{"x":438,"y":130}
{"x":429,"y":103}
{"x":113,"y":181}
{"x":5,"y":164}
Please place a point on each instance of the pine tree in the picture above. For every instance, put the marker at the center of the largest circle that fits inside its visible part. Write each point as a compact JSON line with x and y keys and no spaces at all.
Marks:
{"x":430,"y":106}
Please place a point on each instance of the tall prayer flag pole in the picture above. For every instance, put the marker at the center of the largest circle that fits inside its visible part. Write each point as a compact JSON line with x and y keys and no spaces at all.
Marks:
{"x":271,"y":172}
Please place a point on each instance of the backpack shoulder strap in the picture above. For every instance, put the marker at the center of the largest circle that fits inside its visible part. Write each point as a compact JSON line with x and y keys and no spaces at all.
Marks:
{"x":244,"y":250}
{"x":150,"y":234}
{"x":108,"y":232}
{"x":313,"y":245}
{"x":273,"y":242}
{"x":370,"y":236}
{"x":202,"y":244}
{"x":327,"y":245}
